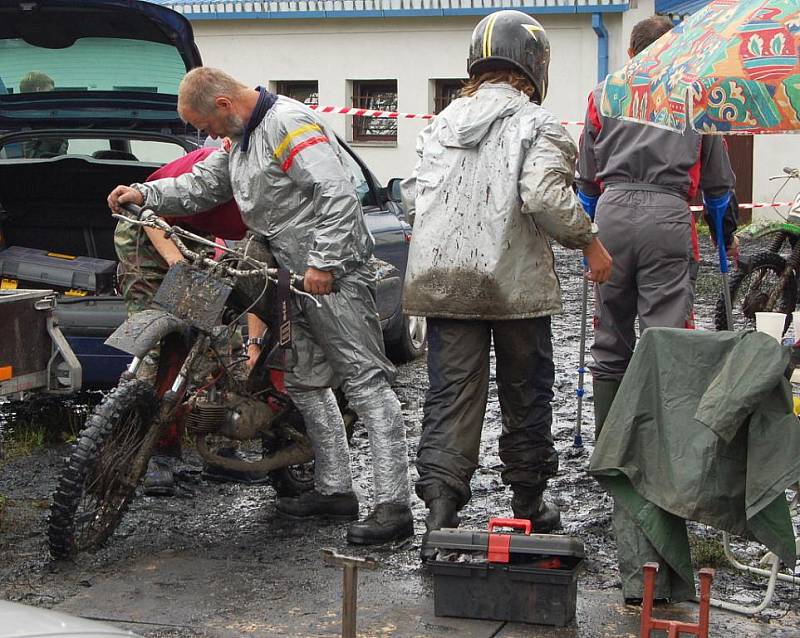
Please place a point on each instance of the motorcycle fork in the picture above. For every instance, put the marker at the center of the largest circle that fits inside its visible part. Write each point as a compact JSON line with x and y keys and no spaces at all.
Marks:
{"x":167,"y":407}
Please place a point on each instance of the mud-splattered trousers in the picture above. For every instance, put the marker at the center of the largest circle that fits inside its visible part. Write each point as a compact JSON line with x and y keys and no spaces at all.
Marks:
{"x":491,"y":188}
{"x":292,"y":187}
{"x":458,"y":368}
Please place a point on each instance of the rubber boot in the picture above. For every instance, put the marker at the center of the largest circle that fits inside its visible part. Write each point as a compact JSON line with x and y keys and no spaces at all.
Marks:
{"x":442,"y":513}
{"x":604,"y":392}
{"x":159,"y":480}
{"x":311,"y":504}
{"x":545,"y":517}
{"x":386,"y":522}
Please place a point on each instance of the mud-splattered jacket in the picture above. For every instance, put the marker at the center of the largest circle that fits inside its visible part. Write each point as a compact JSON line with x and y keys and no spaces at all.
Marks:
{"x":493,"y":183}
{"x":291,"y":186}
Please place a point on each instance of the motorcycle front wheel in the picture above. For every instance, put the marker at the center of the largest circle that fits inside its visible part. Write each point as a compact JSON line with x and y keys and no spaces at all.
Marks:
{"x":752,"y":288}
{"x":101,"y":474}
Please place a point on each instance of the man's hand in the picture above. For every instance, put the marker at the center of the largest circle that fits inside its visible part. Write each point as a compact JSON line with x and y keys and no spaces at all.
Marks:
{"x":317,"y":282}
{"x":599,"y":261}
{"x":124,"y":195}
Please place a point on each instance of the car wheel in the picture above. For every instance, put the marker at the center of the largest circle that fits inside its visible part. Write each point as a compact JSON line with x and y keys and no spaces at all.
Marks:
{"x":413,"y":341}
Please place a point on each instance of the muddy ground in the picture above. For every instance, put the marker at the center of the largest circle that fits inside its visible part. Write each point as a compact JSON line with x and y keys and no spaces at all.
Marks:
{"x":217,"y":561}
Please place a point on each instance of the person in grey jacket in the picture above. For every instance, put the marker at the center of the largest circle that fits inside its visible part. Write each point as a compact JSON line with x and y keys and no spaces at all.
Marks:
{"x":640,"y":179}
{"x":492,"y":185}
{"x":286,"y":172}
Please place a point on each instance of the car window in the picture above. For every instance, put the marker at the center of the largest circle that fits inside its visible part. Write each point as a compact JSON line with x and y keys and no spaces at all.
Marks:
{"x":359,"y":180}
{"x":156,"y":152}
{"x":90,"y":64}
{"x":43,"y":147}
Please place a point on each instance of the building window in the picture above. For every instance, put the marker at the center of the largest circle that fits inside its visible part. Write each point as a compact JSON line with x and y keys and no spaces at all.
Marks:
{"x":379,"y":95}
{"x":305,"y":92}
{"x":445,"y":92}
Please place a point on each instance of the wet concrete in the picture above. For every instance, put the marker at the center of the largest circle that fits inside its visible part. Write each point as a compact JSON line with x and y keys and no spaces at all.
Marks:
{"x":217,"y":562}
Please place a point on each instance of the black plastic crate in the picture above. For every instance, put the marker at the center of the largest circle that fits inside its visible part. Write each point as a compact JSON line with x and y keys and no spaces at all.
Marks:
{"x":72,"y":275}
{"x":530,"y":578}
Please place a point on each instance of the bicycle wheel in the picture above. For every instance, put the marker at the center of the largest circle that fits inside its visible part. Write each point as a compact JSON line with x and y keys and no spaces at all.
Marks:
{"x":751,"y":290}
{"x":100,"y":477}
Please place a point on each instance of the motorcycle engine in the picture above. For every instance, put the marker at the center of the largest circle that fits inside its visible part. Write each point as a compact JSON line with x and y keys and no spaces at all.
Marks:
{"x":231,"y":415}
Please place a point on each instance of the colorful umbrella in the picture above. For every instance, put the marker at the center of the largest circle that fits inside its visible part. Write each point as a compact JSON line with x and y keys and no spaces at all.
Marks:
{"x":732,"y":67}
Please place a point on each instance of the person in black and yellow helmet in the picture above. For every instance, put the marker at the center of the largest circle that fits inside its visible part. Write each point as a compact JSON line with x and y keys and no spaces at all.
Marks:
{"x":492,"y":186}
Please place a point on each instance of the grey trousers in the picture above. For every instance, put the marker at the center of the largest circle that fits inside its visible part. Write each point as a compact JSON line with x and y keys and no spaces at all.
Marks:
{"x":458,"y":369}
{"x":649,"y":237}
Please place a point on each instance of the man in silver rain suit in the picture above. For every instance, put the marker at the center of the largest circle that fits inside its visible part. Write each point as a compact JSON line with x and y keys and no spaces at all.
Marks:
{"x":493,"y":184}
{"x":285,"y":170}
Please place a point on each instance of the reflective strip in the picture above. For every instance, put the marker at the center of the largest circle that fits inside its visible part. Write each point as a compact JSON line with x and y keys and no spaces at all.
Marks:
{"x":487,"y":36}
{"x":6,"y":372}
{"x":301,"y":147}
{"x":290,"y":136}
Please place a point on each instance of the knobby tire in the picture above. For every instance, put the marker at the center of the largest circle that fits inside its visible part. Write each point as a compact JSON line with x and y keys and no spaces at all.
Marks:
{"x":97,"y":483}
{"x":747,"y":298}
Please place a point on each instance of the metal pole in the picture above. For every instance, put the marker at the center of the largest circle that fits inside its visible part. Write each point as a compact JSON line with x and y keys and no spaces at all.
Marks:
{"x":349,"y":597}
{"x":723,"y":267}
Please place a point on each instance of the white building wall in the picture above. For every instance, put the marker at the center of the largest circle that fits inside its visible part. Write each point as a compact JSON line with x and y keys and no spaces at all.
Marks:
{"x":414,"y":51}
{"x":411,"y":50}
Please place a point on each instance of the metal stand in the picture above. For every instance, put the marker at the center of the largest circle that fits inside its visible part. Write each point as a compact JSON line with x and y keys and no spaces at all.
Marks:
{"x":350,"y":565}
{"x":675,"y":627}
{"x":580,"y":391}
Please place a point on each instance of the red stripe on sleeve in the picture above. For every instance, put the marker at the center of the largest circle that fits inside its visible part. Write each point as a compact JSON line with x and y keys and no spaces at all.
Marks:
{"x":594,"y":116}
{"x":311,"y":141}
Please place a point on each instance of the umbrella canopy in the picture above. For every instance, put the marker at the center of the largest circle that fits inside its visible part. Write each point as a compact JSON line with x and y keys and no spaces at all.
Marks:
{"x":732,"y":67}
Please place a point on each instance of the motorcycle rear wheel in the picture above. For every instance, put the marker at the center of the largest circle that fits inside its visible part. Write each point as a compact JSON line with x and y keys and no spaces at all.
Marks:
{"x":751,"y":290}
{"x":100,"y":476}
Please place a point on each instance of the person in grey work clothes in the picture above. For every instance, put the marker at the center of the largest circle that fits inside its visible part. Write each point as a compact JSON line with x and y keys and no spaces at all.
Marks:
{"x":637,"y":181}
{"x":286,"y":171}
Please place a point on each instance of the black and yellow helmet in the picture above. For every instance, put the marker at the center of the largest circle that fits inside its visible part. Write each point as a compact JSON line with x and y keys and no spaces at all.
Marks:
{"x":511,"y":38}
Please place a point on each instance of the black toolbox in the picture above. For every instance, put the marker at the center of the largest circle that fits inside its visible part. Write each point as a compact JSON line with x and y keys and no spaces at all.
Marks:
{"x":518,"y":577}
{"x":71,"y":275}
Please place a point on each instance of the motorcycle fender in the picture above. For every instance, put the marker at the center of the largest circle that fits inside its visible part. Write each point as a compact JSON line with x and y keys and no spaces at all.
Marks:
{"x":758,"y":230}
{"x":145,"y":329}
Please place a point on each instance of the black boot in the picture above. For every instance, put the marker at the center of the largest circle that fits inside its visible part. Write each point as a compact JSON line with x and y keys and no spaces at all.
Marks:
{"x":544,"y":516}
{"x":442,"y":513}
{"x":310,"y":504}
{"x":221,"y":474}
{"x":159,"y":479}
{"x":387,"y":522}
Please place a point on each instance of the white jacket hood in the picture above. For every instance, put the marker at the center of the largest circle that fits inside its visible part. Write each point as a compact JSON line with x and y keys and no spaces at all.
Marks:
{"x":465,"y":125}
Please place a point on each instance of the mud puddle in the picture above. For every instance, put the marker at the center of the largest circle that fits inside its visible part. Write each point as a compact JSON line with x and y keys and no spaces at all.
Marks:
{"x":217,"y":561}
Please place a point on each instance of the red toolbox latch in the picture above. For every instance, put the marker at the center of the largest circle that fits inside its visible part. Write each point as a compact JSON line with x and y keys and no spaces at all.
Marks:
{"x":499,"y":544}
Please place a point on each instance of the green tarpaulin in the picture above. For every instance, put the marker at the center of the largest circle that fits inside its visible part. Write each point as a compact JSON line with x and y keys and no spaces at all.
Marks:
{"x":702,"y":429}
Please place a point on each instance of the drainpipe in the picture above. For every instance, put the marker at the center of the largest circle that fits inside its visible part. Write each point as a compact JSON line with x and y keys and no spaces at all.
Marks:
{"x":602,"y":46}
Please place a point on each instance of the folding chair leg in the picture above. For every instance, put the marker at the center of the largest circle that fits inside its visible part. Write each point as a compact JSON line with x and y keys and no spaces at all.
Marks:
{"x":674,"y":627}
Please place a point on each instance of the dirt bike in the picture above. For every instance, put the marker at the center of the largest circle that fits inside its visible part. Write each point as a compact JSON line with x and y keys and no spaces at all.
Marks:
{"x":201,"y":386}
{"x":767,"y":280}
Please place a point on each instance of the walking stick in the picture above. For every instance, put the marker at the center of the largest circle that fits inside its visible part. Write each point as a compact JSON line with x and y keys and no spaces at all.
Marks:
{"x":580,"y":391}
{"x":719,"y":215}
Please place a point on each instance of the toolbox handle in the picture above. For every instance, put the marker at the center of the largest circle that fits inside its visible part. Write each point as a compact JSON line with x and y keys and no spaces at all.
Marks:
{"x":515,"y":523}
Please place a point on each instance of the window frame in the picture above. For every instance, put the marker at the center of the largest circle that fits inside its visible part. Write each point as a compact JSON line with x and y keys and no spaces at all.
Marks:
{"x":285,"y":87}
{"x":440,"y":86}
{"x":359,"y":101}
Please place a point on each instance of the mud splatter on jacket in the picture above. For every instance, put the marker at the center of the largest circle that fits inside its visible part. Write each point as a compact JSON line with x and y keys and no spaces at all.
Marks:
{"x":492,"y":186}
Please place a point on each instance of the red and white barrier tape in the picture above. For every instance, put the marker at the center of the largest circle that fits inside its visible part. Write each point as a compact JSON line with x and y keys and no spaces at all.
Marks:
{"x":752,"y":206}
{"x":394,"y":115}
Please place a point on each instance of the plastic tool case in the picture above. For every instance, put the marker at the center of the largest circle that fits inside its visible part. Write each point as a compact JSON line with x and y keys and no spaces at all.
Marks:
{"x":22,"y":267}
{"x":519,"y":577}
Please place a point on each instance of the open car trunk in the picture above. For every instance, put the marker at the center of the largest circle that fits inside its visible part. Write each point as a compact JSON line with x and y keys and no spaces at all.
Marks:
{"x":59,"y":206}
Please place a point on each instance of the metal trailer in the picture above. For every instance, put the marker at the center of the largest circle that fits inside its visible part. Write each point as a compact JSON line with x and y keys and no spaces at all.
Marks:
{"x":34,"y":354}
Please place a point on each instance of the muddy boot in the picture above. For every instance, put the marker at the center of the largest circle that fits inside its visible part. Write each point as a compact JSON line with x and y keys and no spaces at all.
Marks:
{"x":387,"y":522}
{"x":544,"y":516}
{"x":159,"y":479}
{"x":442,"y":513}
{"x":312,"y":504}
{"x":604,"y":392}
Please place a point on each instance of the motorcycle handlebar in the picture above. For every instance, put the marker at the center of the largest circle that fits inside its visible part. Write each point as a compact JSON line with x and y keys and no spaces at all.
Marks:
{"x":146,"y":217}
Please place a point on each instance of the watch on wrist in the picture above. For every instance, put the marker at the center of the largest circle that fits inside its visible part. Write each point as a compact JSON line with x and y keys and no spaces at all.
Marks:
{"x":255,"y":341}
